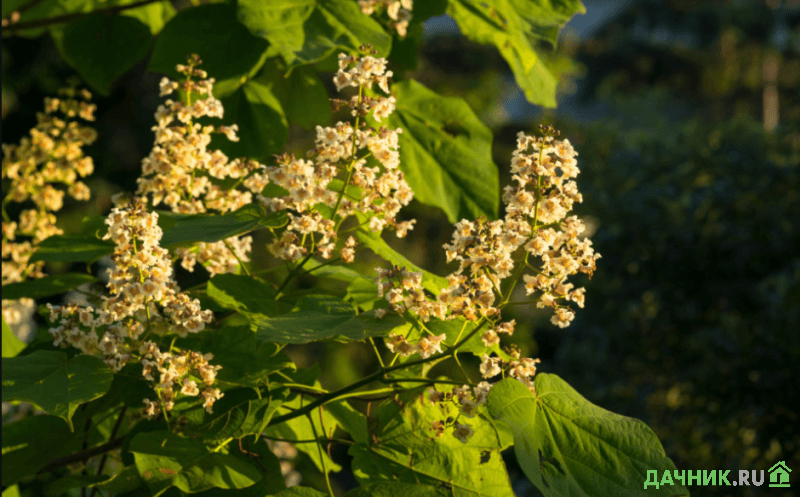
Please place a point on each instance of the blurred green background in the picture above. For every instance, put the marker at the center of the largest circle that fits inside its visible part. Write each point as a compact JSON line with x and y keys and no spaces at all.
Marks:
{"x":686,"y":116}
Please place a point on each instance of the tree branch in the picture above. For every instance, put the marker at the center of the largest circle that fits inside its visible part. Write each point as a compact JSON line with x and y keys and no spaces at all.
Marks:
{"x":12,"y":27}
{"x":83,"y":455}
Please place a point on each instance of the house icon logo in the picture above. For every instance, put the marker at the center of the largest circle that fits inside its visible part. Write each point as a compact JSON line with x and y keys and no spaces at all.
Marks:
{"x":779,"y":475}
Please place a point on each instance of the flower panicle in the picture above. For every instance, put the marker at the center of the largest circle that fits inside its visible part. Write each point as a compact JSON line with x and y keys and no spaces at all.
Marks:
{"x":40,"y":170}
{"x":183,"y":173}
{"x":352,"y":171}
{"x":144,"y":300}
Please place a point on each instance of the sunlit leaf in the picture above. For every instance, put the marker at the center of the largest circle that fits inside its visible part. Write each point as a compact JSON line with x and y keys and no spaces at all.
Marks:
{"x":445,"y":153}
{"x":405,"y":449}
{"x":306,"y":31}
{"x":568,"y":446}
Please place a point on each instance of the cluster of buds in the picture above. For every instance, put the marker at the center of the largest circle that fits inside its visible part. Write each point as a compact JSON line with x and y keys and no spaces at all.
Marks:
{"x":51,"y":156}
{"x":403,"y":290}
{"x":179,"y":373}
{"x":144,"y":300}
{"x":344,"y":151}
{"x":398,"y":11}
{"x":187,"y":177}
{"x":466,"y":399}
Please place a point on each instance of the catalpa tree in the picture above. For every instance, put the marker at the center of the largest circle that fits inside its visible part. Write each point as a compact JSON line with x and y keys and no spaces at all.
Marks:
{"x":148,"y":388}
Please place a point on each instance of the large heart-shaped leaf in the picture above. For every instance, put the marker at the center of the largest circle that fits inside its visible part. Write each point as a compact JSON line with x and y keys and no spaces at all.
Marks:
{"x":102,"y":48}
{"x":568,"y":446}
{"x":445,"y":153}
{"x":54,"y":382}
{"x":212,"y":32}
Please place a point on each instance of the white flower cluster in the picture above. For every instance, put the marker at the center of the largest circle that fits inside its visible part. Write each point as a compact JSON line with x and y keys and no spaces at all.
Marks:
{"x":145,"y":300}
{"x":536,"y":221}
{"x":178,"y":373}
{"x":545,"y":192}
{"x":50,"y":157}
{"x":398,"y":11}
{"x":377,"y":192}
{"x":183,"y":174}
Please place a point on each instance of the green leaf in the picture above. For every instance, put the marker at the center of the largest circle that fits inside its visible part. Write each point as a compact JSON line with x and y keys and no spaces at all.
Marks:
{"x":307,"y":31}
{"x":190,"y":228}
{"x":396,"y":489}
{"x":72,"y":248}
{"x":272,"y":481}
{"x":300,"y":428}
{"x":262,"y":124}
{"x":375,"y":243}
{"x":11,"y":344}
{"x":445,"y":153}
{"x":568,"y":446}
{"x":405,"y":449}
{"x":243,"y":293}
{"x":53,"y":382}
{"x":318,"y":317}
{"x":127,"y":479}
{"x":102,"y":48}
{"x":245,"y":360}
{"x":44,"y":287}
{"x":513,"y":26}
{"x":154,"y":15}
{"x":165,"y":459}
{"x":212,"y":32}
{"x":12,"y":491}
{"x":26,"y":451}
{"x":363,"y":293}
{"x":352,"y":421}
{"x":238,"y":414}
{"x":301,"y":93}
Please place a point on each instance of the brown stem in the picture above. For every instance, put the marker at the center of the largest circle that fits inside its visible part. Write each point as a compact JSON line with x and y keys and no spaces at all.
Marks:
{"x":83,"y":455}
